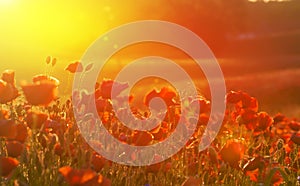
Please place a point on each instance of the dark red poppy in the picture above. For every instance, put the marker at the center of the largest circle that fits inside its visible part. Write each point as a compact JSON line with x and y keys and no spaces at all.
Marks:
{"x":254,"y":163}
{"x":159,"y":133}
{"x":142,"y":138}
{"x":74,"y":67}
{"x":203,"y":119}
{"x":294,"y":125}
{"x":14,"y":148}
{"x":22,"y":133}
{"x":7,"y":128}
{"x":232,"y":152}
{"x":233,"y":97}
{"x":249,"y":102}
{"x":55,"y":126}
{"x":35,"y":119}
{"x":249,"y":118}
{"x":99,"y":162}
{"x":105,"y":89}
{"x":58,"y":149}
{"x":264,"y":121}
{"x":296,"y":138}
{"x":155,"y":167}
{"x":7,"y":165}
{"x":103,"y":105}
{"x":64,"y":150}
{"x":166,"y":93}
{"x":203,"y":104}
{"x":279,"y":118}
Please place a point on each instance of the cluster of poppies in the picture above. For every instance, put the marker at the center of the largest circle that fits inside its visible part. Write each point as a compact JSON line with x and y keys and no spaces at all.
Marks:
{"x":41,"y":142}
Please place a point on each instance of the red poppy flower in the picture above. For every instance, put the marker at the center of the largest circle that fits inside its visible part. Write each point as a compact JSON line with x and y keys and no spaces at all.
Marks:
{"x":294,"y":125}
{"x":99,"y":162}
{"x":249,"y":118}
{"x":55,"y":126}
{"x":2,"y":85}
{"x":14,"y":148}
{"x":233,"y":97}
{"x":192,"y":168}
{"x":83,"y":177}
{"x":253,"y":175}
{"x":264,"y":121}
{"x":296,"y":138}
{"x":4,"y":114}
{"x":277,"y":179}
{"x":242,"y":100}
{"x":58,"y":149}
{"x":253,"y":164}
{"x":35,"y":120}
{"x":249,"y":102}
{"x":41,"y":92}
{"x":9,"y":76}
{"x":232,"y":152}
{"x":105,"y":90}
{"x":8,"y":92}
{"x":45,"y":78}
{"x":142,"y":138}
{"x":103,"y":105}
{"x":159,"y":133}
{"x":74,"y":67}
{"x":203,"y":120}
{"x":154,"y":168}
{"x":166,"y":93}
{"x":77,"y":177}
{"x":22,"y":134}
{"x":7,"y":165}
{"x":204,"y":105}
{"x":279,"y":118}
{"x":64,"y":150}
{"x":7,"y":128}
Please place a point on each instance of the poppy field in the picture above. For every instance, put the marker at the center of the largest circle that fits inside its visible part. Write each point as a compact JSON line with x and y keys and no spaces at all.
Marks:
{"x":42,"y":145}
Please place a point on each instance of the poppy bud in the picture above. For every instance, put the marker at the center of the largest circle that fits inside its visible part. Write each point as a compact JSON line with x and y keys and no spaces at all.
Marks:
{"x":7,"y":165}
{"x":48,"y":59}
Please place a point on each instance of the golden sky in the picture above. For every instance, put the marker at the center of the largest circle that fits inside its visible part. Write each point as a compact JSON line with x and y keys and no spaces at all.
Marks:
{"x":33,"y":29}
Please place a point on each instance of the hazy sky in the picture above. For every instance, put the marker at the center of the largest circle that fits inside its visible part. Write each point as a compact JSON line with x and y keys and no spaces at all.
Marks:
{"x":31,"y":30}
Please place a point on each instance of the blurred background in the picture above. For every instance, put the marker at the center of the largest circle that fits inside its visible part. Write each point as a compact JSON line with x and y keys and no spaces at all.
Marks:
{"x":257,"y":43}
